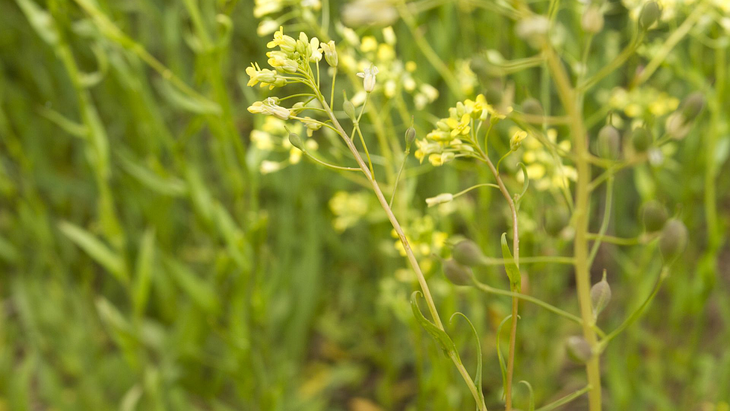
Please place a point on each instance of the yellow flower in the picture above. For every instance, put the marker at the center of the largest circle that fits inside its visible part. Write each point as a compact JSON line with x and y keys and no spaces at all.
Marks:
{"x":459,"y":127}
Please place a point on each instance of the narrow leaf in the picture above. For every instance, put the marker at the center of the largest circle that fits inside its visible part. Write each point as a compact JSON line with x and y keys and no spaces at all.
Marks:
{"x":478,"y":376}
{"x":96,"y":249}
{"x":199,"y":291}
{"x":510,"y":266}
{"x":562,"y":401}
{"x":531,"y":406}
{"x":161,"y":185}
{"x":439,"y":335}
{"x":144,"y":271}
{"x":502,"y":364}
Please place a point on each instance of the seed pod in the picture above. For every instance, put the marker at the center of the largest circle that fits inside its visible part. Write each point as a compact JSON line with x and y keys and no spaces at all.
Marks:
{"x":692,"y":106}
{"x":349,"y":109}
{"x":456,"y":273}
{"x":600,"y":295}
{"x":533,"y":107}
{"x":609,"y":140}
{"x":410,"y":136}
{"x":655,"y":215}
{"x":641,"y":139}
{"x":296,"y":141}
{"x":673,"y":239}
{"x":578,"y":349}
{"x":592,"y":20}
{"x":468,"y":253}
{"x":649,"y":15}
{"x":555,"y":221}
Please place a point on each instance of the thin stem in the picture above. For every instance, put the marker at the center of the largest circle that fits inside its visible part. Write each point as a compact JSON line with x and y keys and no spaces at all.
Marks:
{"x":636,"y":314}
{"x":604,"y":223}
{"x":332,"y":92}
{"x":326,"y":164}
{"x":515,"y":295}
{"x":406,"y":245}
{"x":571,"y":102}
{"x":397,"y":177}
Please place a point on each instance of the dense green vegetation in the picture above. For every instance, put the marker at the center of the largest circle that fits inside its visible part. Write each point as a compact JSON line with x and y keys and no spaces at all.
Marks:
{"x":162,"y":248}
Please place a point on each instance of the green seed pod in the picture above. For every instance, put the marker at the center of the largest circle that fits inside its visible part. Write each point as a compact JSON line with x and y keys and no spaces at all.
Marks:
{"x":600,"y":295}
{"x":555,"y":221}
{"x":296,"y":141}
{"x":655,"y":215}
{"x":673,"y":239}
{"x":592,"y":20}
{"x":578,"y":349}
{"x":410,"y":136}
{"x":649,"y":15}
{"x":641,"y":139}
{"x":609,"y":141}
{"x":456,"y":273}
{"x":532,"y":107}
{"x":468,"y":253}
{"x":692,"y":106}
{"x":349,"y":109}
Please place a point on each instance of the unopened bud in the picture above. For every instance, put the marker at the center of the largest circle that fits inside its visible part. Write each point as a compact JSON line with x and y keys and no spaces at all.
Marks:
{"x":410,"y":136}
{"x":600,"y":295}
{"x":655,"y":215}
{"x":349,"y":109}
{"x":592,"y":20}
{"x":692,"y":106}
{"x":641,"y":139}
{"x":296,"y":141}
{"x":532,"y":107}
{"x":673,"y":239}
{"x":456,"y":273}
{"x":468,"y":253}
{"x":609,"y":140}
{"x":555,"y":221}
{"x":649,"y":15}
{"x":578,"y":349}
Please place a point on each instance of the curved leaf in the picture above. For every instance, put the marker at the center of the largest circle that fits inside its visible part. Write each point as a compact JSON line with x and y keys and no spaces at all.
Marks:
{"x":443,"y":339}
{"x":478,"y":376}
{"x":510,"y":266}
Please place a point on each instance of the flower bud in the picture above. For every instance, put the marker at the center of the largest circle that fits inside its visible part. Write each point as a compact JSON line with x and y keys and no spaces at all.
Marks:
{"x":440,"y":199}
{"x":456,"y":273}
{"x":600,"y":295}
{"x":655,"y":215}
{"x":641,"y":139}
{"x":649,"y":15}
{"x":330,"y":53}
{"x":592,"y":20}
{"x":296,"y":141}
{"x":410,"y":136}
{"x":578,"y":349}
{"x":555,"y":221}
{"x":349,"y":109}
{"x":608,"y":143}
{"x":532,"y":107}
{"x":692,"y":106}
{"x":673,"y":239}
{"x":468,"y":253}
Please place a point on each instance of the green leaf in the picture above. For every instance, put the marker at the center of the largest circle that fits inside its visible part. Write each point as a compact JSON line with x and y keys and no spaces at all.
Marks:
{"x":531,"y":406}
{"x":478,"y":376}
{"x":202,"y":294}
{"x":500,"y":357}
{"x":41,"y":21}
{"x":185,"y":102}
{"x":439,"y":335}
{"x":144,"y":271}
{"x":525,"y":186}
{"x":562,"y":401}
{"x":96,"y":249}
{"x":165,"y":186}
{"x":510,"y":266}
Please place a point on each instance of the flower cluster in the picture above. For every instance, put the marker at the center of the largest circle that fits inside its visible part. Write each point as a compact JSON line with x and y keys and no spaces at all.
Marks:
{"x":545,"y":170}
{"x":455,"y":135}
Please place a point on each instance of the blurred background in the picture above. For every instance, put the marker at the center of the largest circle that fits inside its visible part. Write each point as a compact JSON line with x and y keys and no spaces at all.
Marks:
{"x":162,"y":249}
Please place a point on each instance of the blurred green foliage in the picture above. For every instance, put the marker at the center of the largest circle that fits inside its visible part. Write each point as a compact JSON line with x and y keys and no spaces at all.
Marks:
{"x":146,"y":263}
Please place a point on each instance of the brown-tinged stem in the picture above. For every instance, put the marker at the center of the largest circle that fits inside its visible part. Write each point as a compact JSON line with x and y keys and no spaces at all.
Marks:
{"x":406,"y":246}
